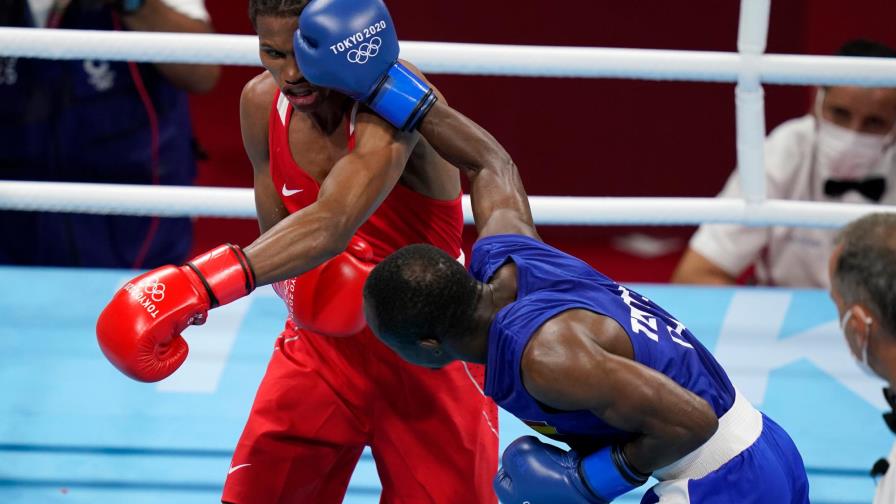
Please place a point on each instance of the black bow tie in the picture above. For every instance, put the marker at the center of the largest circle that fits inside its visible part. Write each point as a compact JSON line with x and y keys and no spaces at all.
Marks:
{"x":890,"y":417}
{"x":883,"y":465}
{"x":872,"y":187}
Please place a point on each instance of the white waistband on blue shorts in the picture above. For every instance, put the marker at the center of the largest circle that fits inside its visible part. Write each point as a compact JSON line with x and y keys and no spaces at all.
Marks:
{"x":739,"y":428}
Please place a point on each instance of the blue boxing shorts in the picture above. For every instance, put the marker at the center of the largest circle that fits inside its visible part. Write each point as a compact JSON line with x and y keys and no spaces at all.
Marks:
{"x":750,"y":459}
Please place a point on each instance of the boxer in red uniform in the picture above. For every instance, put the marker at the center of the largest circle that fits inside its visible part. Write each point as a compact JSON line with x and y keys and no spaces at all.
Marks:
{"x":337,"y":189}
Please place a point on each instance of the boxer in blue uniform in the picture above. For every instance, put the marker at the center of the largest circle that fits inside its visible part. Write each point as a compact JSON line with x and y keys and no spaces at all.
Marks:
{"x":576,"y":356}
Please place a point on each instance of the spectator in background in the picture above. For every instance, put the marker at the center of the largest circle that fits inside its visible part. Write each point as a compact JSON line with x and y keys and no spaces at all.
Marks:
{"x":862,"y":274}
{"x":98,"y":121}
{"x":841,"y":152}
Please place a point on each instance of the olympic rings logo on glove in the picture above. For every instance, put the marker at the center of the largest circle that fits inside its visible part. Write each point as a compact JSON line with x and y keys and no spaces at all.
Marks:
{"x":364,"y":51}
{"x":156,"y":290}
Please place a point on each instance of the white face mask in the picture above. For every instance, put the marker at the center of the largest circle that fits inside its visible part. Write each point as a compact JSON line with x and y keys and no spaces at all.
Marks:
{"x":844,"y":153}
{"x":862,"y":358}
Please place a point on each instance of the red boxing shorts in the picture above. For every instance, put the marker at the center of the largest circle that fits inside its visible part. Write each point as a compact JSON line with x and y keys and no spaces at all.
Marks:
{"x":433,"y":433}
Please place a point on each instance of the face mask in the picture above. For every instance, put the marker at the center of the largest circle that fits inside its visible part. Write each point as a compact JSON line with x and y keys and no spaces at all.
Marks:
{"x":861,"y":359}
{"x":844,"y":153}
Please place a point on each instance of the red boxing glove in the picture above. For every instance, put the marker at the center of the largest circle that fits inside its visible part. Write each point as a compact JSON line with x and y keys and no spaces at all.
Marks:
{"x":139,"y":330}
{"x":329,"y":298}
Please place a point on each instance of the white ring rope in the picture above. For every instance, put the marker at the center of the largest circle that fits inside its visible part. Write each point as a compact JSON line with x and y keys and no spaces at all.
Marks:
{"x":467,"y":59}
{"x":749,"y":100}
{"x":749,"y":69}
{"x":168,"y":201}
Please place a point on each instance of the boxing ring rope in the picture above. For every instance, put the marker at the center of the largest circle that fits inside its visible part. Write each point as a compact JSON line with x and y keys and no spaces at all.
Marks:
{"x":748,"y":68}
{"x":181,"y":201}
{"x":462,"y":58}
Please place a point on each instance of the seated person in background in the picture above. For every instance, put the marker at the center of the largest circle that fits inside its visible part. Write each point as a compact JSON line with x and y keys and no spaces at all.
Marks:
{"x":863,"y":273}
{"x":842,"y":152}
{"x":114,"y":122}
{"x":574,"y":355}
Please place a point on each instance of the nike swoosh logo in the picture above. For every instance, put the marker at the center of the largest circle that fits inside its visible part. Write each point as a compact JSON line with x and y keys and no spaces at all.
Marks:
{"x":236,"y":468}
{"x":289,"y":192}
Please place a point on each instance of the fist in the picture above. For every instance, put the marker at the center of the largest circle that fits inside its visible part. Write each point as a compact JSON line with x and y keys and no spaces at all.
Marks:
{"x":351,"y":46}
{"x":139,"y":330}
{"x":540,"y":473}
{"x":346,"y":45}
{"x":329,"y":298}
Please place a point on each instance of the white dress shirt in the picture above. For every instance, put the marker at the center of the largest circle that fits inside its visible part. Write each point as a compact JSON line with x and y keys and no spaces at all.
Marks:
{"x":786,"y":256}
{"x":886,"y":487}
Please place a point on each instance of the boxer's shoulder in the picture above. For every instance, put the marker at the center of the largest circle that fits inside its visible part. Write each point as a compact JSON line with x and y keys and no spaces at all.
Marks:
{"x":258,"y":92}
{"x":255,"y":107}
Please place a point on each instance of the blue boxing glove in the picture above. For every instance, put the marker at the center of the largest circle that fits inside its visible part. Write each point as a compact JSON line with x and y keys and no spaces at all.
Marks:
{"x":540,"y":473}
{"x":351,"y":46}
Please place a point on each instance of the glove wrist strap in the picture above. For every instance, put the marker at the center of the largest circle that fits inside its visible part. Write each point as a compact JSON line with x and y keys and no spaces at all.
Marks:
{"x":225,"y":272}
{"x":402,"y":98}
{"x":608,"y":474}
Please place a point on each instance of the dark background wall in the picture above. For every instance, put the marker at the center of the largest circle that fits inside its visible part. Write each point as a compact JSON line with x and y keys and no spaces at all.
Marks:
{"x":586,"y":137}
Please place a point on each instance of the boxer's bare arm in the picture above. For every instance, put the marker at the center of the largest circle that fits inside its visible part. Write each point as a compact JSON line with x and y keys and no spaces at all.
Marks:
{"x":255,"y":105}
{"x":158,"y":16}
{"x":565,"y":367}
{"x":356,"y":185}
{"x":500,"y":205}
{"x":427,"y":173}
{"x":695,"y":268}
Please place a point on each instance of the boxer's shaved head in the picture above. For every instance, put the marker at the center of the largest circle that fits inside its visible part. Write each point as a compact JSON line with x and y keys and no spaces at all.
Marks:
{"x":276,"y":8}
{"x":864,"y":266}
{"x":420,"y":293}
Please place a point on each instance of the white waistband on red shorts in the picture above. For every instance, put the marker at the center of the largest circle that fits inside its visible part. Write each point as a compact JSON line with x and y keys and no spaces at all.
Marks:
{"x":739,"y":428}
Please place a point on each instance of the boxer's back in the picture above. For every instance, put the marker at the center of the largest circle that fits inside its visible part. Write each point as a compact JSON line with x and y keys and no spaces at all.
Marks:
{"x":552,"y":284}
